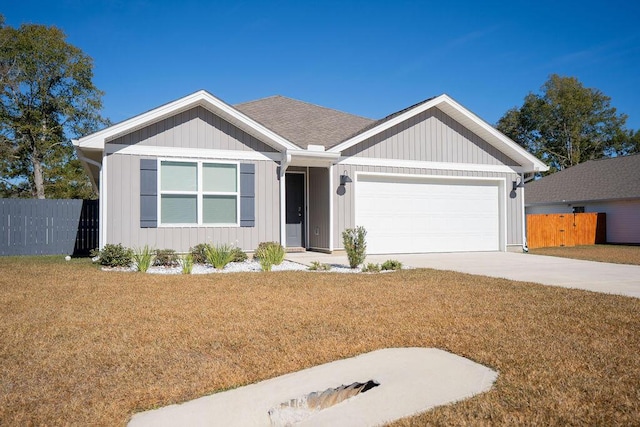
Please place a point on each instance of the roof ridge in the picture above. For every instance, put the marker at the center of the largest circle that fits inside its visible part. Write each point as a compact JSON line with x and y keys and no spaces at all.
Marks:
{"x":302,"y":102}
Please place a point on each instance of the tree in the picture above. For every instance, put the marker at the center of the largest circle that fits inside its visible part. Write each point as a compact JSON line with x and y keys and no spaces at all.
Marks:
{"x":566,"y":124}
{"x":46,"y":98}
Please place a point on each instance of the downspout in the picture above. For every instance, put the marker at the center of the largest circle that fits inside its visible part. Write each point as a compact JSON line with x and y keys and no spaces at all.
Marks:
{"x":284,"y":164}
{"x":525,"y":248}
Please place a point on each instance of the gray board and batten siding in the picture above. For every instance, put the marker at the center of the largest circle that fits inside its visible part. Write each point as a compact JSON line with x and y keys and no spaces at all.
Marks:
{"x":48,"y":227}
{"x":194,"y":128}
{"x":431,"y":136}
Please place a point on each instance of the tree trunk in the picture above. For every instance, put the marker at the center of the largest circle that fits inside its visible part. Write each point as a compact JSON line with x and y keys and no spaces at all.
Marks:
{"x":38,"y":178}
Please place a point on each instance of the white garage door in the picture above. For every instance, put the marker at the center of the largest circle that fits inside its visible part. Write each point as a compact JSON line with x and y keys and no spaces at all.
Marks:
{"x":409,"y":215}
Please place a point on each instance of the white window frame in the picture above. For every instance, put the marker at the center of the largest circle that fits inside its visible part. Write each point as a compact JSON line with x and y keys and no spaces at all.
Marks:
{"x":199,"y":193}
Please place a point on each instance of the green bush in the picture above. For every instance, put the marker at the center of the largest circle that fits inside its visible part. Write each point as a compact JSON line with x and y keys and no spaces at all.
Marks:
{"x":167,"y":258}
{"x":143,"y":258}
{"x":371,"y":268}
{"x":272,"y":249}
{"x":269,"y":254}
{"x":186,"y":262}
{"x":318,"y":266}
{"x":115,"y":255}
{"x":199,"y":253}
{"x":238,"y":255}
{"x":354,"y":241}
{"x":219,"y":256}
{"x":392,"y":264}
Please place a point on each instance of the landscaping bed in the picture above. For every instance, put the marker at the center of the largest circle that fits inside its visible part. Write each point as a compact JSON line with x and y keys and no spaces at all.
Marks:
{"x":82,"y":346}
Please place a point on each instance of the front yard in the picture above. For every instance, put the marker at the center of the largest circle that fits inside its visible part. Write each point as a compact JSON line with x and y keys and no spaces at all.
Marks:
{"x":85,"y":347}
{"x":617,"y":254}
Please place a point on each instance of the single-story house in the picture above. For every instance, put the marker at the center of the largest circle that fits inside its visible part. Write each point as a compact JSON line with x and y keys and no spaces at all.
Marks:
{"x":610,"y":186}
{"x":433,"y":177}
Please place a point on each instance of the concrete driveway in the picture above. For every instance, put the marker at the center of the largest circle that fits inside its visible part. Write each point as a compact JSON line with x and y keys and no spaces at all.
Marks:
{"x":603,"y":277}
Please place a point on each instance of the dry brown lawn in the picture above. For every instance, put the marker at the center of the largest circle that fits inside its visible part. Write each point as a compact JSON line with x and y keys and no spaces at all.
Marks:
{"x":84,"y":347}
{"x":617,"y":254}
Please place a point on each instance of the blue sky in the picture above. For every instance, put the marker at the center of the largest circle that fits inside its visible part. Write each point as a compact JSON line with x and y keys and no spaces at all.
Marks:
{"x":369,"y":58}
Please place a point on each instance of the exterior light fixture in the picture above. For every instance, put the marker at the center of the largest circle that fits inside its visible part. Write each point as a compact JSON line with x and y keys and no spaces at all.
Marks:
{"x":344,"y":178}
{"x":518,"y":183}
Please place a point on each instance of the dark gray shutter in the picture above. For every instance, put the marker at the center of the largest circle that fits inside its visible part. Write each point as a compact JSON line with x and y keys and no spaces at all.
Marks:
{"x":148,"y":193}
{"x":247,"y":195}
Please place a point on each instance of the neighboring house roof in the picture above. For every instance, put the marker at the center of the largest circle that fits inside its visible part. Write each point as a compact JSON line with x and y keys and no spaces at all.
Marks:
{"x":303,"y":123}
{"x":605,"y":179}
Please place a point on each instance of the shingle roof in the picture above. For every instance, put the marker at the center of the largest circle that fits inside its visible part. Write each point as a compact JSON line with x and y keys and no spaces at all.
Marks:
{"x":375,"y":123}
{"x":303,"y":123}
{"x":605,"y":179}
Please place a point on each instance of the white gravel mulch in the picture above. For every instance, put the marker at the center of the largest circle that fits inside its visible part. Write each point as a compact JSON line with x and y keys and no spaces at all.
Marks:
{"x":235,"y":267}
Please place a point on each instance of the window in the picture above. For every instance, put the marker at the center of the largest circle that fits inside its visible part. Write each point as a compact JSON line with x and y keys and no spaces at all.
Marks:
{"x":199,"y":193}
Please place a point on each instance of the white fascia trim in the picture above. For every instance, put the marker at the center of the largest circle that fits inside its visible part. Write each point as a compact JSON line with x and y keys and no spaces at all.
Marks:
{"x":202,"y":153}
{"x":312,"y":158}
{"x":417,"y":164}
{"x":537,"y":165}
{"x":202,"y":98}
{"x":386,"y":125}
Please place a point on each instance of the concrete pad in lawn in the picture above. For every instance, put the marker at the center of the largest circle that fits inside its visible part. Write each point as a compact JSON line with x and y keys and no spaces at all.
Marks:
{"x":411,"y":381}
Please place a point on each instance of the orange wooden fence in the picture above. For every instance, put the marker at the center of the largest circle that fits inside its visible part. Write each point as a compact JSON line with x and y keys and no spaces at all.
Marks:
{"x":547,"y":230}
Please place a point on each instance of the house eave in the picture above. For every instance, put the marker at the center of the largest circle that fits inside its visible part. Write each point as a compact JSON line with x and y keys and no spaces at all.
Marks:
{"x":201,"y":98}
{"x":527,"y":161}
{"x":573,"y":202}
{"x":312,"y":158}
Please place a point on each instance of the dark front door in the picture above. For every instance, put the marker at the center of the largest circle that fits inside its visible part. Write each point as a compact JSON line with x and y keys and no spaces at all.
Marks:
{"x":295,"y":209}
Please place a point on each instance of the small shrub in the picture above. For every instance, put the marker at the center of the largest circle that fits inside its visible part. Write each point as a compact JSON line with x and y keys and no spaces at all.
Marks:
{"x":219,"y":256}
{"x":238,"y":255}
{"x":318,"y":266}
{"x":167,"y":258}
{"x":143,"y":258}
{"x":269,"y":255}
{"x":391,"y":264}
{"x":115,"y":255}
{"x":271,"y":249}
{"x":199,"y":253}
{"x":371,"y":268}
{"x":354,"y":240}
{"x":186,"y":262}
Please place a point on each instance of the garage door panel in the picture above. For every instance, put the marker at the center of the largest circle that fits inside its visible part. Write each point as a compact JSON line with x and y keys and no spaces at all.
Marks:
{"x":427,"y":216}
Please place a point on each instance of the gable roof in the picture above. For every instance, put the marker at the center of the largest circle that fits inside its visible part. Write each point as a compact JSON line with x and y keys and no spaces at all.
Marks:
{"x":303,"y":123}
{"x":466,"y":118}
{"x":605,"y":179}
{"x":202,"y":98}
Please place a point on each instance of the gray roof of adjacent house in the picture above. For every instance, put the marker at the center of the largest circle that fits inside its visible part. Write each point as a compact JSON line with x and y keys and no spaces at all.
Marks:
{"x":613,"y":178}
{"x":303,"y":123}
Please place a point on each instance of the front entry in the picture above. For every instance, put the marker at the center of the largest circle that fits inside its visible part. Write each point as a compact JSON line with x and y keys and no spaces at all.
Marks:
{"x":295,"y":210}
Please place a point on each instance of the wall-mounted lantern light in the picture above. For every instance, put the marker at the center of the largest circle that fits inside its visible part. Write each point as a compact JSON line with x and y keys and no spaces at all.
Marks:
{"x":344,"y":178}
{"x":517,"y":184}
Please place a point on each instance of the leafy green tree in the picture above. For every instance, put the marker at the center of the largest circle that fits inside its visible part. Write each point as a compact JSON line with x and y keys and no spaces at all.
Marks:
{"x":47,"y":97}
{"x":566,"y":124}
